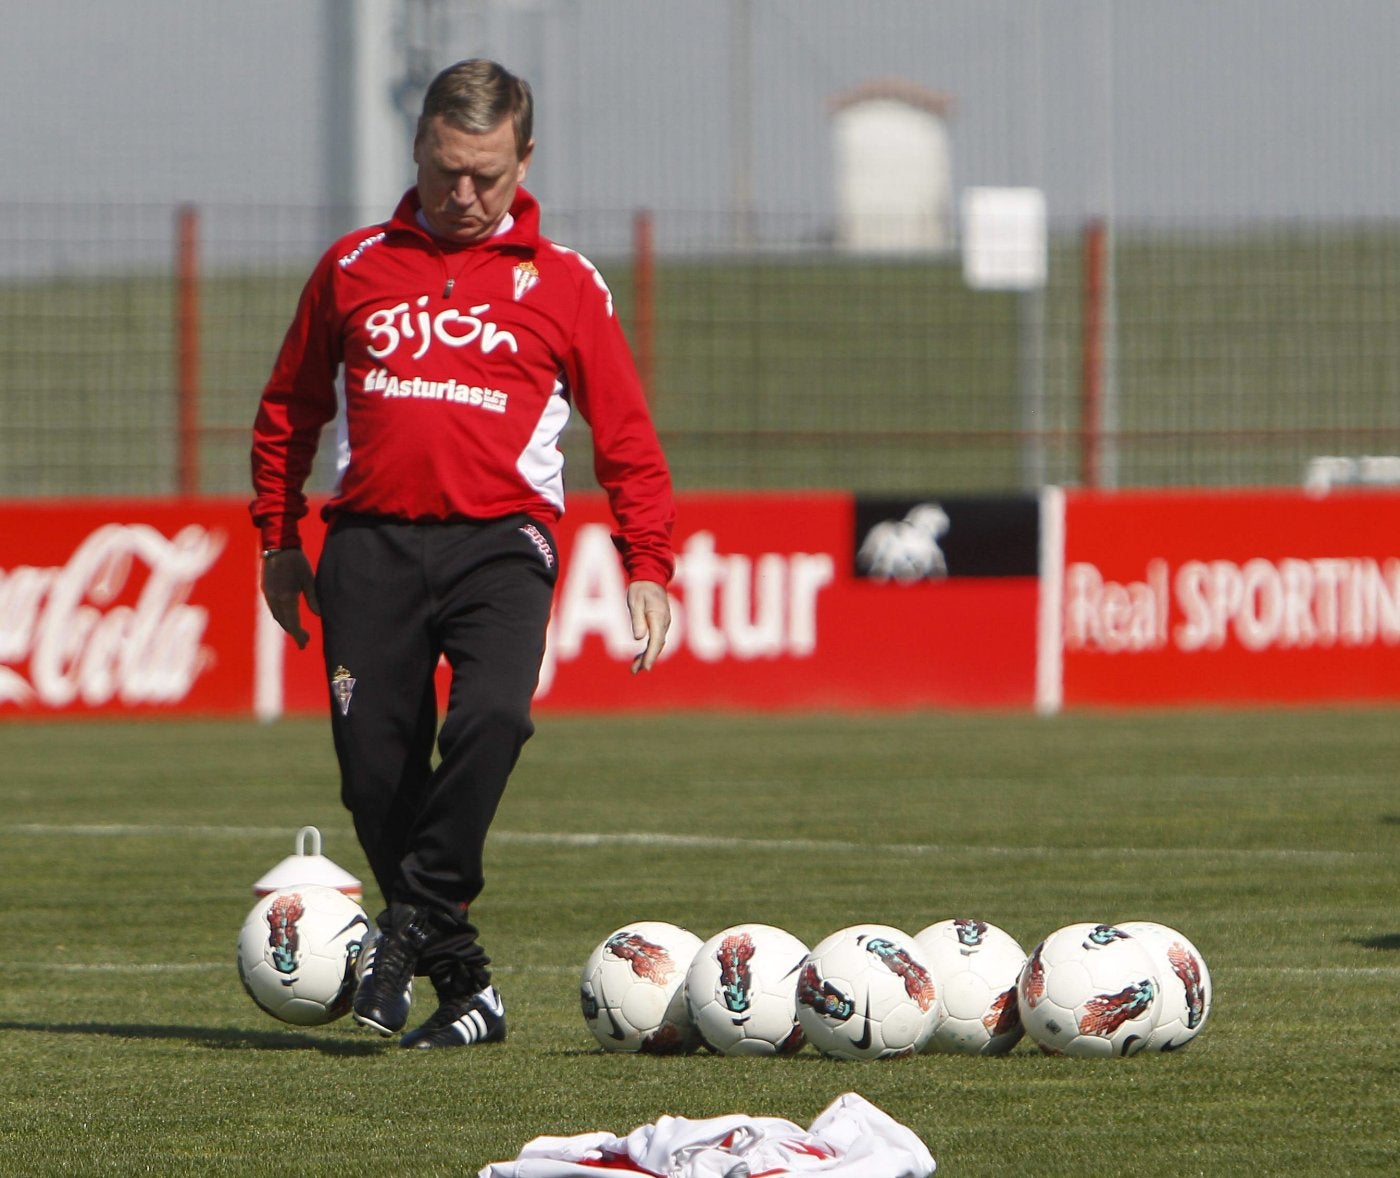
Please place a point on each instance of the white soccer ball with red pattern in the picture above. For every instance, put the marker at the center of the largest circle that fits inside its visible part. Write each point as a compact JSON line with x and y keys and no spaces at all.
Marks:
{"x":742,"y":991}
{"x":1184,"y":982}
{"x":632,"y":991}
{"x":975,"y":966}
{"x":298,"y":952}
{"x":1089,"y":989}
{"x":865,"y":992}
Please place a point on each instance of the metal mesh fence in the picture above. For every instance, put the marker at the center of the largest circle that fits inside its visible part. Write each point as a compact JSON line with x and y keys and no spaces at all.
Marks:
{"x":1240,"y":150}
{"x":1234,"y":355}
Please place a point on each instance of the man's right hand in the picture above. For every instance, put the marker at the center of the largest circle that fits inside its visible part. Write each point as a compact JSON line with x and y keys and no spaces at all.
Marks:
{"x":286,"y":579}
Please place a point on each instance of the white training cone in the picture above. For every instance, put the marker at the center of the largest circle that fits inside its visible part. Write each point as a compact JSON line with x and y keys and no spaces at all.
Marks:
{"x":308,"y":867}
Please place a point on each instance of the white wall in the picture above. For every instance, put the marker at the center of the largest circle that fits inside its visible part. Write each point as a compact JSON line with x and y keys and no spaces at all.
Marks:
{"x":893,"y":178}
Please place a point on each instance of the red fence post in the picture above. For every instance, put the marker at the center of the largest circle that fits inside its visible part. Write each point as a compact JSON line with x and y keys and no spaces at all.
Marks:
{"x":187,"y":349}
{"x":1091,"y":355}
{"x":644,"y":301}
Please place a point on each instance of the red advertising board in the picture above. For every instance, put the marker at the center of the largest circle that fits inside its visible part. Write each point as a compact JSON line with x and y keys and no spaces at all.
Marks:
{"x":767,"y":614}
{"x":151,"y":607}
{"x":1228,"y":597}
{"x":138,"y":608}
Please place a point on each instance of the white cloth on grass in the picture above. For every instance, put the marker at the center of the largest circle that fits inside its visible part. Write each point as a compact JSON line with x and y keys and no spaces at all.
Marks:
{"x":851,"y":1138}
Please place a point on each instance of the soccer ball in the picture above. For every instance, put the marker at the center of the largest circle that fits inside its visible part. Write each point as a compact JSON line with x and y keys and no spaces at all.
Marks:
{"x":975,"y":966}
{"x":298,"y":951}
{"x":633,"y":989}
{"x":1089,"y":989}
{"x":1184,"y":982}
{"x":864,"y":992}
{"x":741,"y":988}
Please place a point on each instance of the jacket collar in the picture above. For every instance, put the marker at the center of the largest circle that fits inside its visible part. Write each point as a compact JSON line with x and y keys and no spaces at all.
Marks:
{"x":523,"y":235}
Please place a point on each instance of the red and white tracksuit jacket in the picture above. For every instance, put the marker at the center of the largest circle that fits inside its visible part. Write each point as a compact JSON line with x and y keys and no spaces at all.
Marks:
{"x":459,"y":368}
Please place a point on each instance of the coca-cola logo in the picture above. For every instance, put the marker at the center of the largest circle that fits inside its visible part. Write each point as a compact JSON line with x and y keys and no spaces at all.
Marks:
{"x":113,"y":623}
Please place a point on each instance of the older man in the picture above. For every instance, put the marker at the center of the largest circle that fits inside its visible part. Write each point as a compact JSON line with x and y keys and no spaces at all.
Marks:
{"x":460,"y":339}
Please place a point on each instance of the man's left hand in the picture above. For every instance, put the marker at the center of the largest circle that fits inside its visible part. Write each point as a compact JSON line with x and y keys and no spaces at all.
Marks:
{"x":651,"y":618}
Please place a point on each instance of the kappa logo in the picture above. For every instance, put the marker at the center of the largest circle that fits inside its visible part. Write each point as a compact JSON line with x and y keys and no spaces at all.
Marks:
{"x":908,"y":549}
{"x":342,"y":688}
{"x":354,"y":255}
{"x":537,"y":538}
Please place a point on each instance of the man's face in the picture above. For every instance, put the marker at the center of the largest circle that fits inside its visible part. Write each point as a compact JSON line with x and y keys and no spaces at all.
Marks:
{"x":467,"y":179}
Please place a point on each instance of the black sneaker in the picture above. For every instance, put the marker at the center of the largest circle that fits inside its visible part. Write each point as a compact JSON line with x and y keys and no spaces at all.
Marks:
{"x":460,"y":1022}
{"x":386,"y":976}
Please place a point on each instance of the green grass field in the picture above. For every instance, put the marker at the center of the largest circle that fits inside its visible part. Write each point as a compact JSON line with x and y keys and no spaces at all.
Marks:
{"x":127,"y":854}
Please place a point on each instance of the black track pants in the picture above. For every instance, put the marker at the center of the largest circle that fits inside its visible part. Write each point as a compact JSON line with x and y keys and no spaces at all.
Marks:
{"x":394,"y":597}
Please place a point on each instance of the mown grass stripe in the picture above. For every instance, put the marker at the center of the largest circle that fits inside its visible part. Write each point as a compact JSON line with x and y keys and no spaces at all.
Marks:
{"x":727,"y":842}
{"x":181,"y":967}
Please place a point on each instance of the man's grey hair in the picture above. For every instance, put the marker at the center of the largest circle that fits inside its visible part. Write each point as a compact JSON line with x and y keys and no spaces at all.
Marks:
{"x":475,"y":95}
